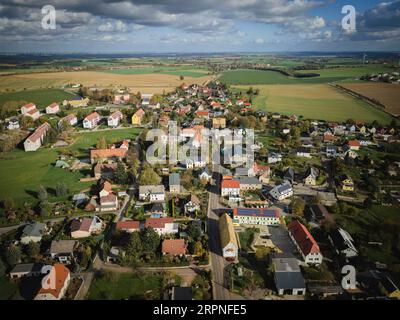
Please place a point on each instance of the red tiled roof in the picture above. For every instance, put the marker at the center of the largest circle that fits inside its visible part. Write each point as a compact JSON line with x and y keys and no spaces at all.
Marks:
{"x":116,"y":115}
{"x":39,"y":132}
{"x":29,"y":105}
{"x":33,"y":111}
{"x":92,"y":116}
{"x":229,"y":183}
{"x":354,"y":143}
{"x":108,"y":153}
{"x":303,"y":237}
{"x":157,"y":223}
{"x":128,"y":225}
{"x":60,"y":273}
{"x":139,"y":113}
{"x":174,"y":246}
{"x":53,"y":105}
{"x":202,"y":113}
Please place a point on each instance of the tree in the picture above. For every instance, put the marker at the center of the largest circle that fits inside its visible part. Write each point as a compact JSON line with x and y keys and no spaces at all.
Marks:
{"x":150,"y":240}
{"x":149,"y":177}
{"x":121,"y":176}
{"x":45,"y":209}
{"x":33,"y":249}
{"x":198,"y":249}
{"x":42,"y":194}
{"x":13,"y":255}
{"x":61,"y":189}
{"x":297,"y":206}
{"x":134,"y":248}
{"x":101,"y":143}
{"x":193,"y":232}
{"x":8,"y":204}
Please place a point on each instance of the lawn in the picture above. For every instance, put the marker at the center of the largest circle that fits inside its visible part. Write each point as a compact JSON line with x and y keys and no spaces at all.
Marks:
{"x":22,"y":172}
{"x":42,"y":98}
{"x":321,"y":102}
{"x":126,"y":286}
{"x":246,"y":238}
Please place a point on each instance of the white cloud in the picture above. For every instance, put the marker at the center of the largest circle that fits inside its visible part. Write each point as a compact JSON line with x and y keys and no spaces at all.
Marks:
{"x":259,"y":41}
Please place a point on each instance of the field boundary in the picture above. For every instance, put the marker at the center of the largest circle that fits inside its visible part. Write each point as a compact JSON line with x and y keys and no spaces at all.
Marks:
{"x":374,"y":103}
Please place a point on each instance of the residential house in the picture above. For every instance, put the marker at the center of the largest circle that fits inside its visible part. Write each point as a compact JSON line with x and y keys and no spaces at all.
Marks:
{"x":63,"y":250}
{"x":12,"y":124}
{"x":303,"y":152}
{"x":274,"y":157}
{"x":249,"y":184}
{"x":174,"y":247}
{"x":305,"y":243}
{"x":112,"y":154}
{"x":85,"y":227}
{"x":230,"y":187}
{"x":219,"y":123}
{"x":181,"y":293}
{"x":77,"y":102}
{"x":282,"y":191}
{"x":318,"y":212}
{"x":30,"y":110}
{"x":71,"y":119}
{"x":91,"y":120}
{"x":114,"y":119}
{"x":228,"y":238}
{"x":256,"y":216}
{"x":155,"y":210}
{"x":162,"y":226}
{"x":328,"y":137}
{"x":146,"y":99}
{"x":377,"y":283}
{"x":35,"y":140}
{"x":138,"y":117}
{"x":327,"y":198}
{"x":354,"y":145}
{"x":205,"y":175}
{"x":343,"y":243}
{"x":289,"y":175}
{"x":174,"y":182}
{"x":128,"y":226}
{"x":121,"y":97}
{"x":310,"y":178}
{"x":61,"y":279}
{"x":287,"y":275}
{"x":33,"y":232}
{"x":53,"y":108}
{"x":80,"y":198}
{"x":104,"y":170}
{"x":114,"y":254}
{"x":192,"y":204}
{"x":152,"y":193}
{"x":347,"y":183}
{"x":27,"y":270}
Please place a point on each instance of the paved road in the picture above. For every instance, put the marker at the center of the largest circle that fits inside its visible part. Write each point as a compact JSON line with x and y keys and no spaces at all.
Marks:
{"x":217,"y":262}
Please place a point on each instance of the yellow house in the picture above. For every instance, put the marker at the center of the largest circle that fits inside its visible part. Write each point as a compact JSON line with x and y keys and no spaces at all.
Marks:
{"x":137,"y":117}
{"x":79,"y":102}
{"x":347,"y":184}
{"x":219,"y":123}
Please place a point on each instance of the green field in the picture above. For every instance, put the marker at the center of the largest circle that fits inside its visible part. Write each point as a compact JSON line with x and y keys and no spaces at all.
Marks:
{"x":126,"y":286}
{"x":318,"y":101}
{"x":42,"y":98}
{"x":189,"y":71}
{"x":258,"y":77}
{"x":22,"y":172}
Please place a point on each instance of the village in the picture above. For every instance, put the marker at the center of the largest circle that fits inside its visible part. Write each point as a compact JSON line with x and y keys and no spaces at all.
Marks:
{"x":316,"y":196}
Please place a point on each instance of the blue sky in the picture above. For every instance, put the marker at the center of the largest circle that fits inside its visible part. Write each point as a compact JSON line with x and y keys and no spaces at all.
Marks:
{"x":198,"y":26}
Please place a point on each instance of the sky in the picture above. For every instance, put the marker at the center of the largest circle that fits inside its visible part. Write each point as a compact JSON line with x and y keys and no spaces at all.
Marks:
{"x":164,"y":26}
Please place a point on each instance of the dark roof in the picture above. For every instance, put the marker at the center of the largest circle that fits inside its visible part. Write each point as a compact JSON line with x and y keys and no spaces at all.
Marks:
{"x":182,"y":293}
{"x":319,"y":211}
{"x":256,"y":212}
{"x":372,"y":278}
{"x":289,"y":174}
{"x":27,"y":267}
{"x":289,"y":280}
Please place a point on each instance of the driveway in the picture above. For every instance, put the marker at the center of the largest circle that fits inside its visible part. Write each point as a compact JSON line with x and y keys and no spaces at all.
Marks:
{"x":280,"y":238}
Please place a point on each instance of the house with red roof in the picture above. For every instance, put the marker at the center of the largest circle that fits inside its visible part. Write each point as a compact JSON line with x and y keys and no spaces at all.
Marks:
{"x":162,"y":225}
{"x":30,"y":110}
{"x":34,"y":141}
{"x":305,"y":243}
{"x":230,"y":187}
{"x":128,"y":226}
{"x":91,"y":120}
{"x":55,"y":283}
{"x":174,"y":247}
{"x":85,"y":227}
{"x":354,"y":144}
{"x":114,"y":119}
{"x":53,"y":108}
{"x":71,"y":119}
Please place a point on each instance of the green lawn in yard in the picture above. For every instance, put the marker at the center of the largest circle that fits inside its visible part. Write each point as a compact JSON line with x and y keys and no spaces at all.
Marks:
{"x":126,"y":286}
{"x":42,"y":98}
{"x":22,"y":172}
{"x":246,"y":237}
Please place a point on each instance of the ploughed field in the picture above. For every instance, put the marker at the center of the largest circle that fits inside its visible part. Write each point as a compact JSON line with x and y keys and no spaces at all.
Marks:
{"x":385,"y":93}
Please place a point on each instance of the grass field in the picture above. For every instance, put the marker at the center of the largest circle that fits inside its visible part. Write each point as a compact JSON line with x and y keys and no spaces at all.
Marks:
{"x":257,"y":77}
{"x":42,"y":98}
{"x":126,"y":286}
{"x":386,"y":93}
{"x":149,"y":83}
{"x":22,"y":172}
{"x":189,"y":71}
{"x":317,"y":101}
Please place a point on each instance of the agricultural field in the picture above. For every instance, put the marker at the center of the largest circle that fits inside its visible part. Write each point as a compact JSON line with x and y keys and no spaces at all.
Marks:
{"x":149,"y":83}
{"x":22,"y":172}
{"x":186,"y":71}
{"x":315,"y":102}
{"x":42,"y":98}
{"x":386,"y":93}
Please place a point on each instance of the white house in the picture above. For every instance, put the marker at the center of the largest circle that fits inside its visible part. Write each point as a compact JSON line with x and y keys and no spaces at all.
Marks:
{"x":274,"y":157}
{"x":33,"y":232}
{"x":303,"y":152}
{"x":13,"y":124}
{"x":228,"y":238}
{"x":114,"y":119}
{"x":152,"y":193}
{"x":256,"y":216}
{"x":61,"y":277}
{"x":282,"y":191}
{"x":91,"y":120}
{"x":162,"y":225}
{"x":71,"y":119}
{"x":230,"y":187}
{"x":27,"y":108}
{"x":53,"y":108}
{"x":305,"y":243}
{"x":82,"y":228}
{"x":34,"y":141}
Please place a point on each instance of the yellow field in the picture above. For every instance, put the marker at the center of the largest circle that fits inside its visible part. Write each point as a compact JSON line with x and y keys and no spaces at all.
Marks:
{"x":315,"y":101}
{"x":149,"y":83}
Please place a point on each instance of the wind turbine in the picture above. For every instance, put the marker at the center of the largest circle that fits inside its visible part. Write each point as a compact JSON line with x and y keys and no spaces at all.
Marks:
{"x":364,"y":56}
